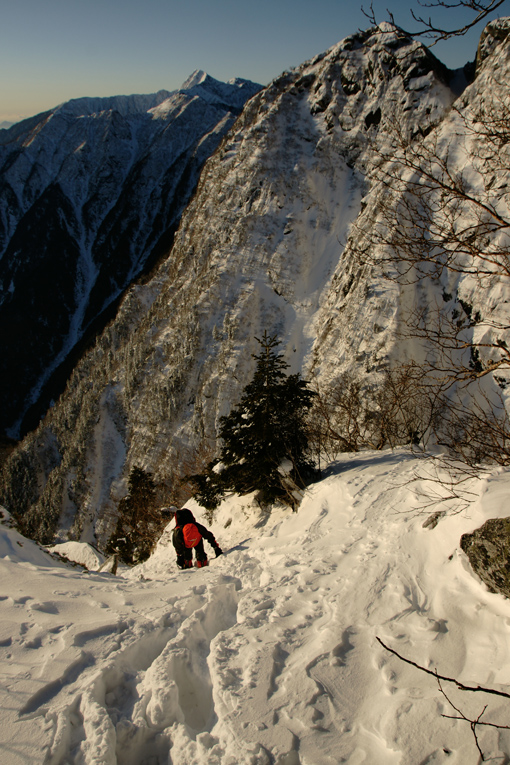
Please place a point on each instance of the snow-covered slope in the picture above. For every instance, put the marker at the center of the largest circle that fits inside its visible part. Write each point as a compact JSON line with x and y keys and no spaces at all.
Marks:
{"x":269,"y":655}
{"x":270,"y":242}
{"x":90,"y":195}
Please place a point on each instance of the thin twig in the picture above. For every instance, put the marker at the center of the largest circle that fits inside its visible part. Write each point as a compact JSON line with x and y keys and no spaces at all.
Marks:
{"x":459,"y":685}
{"x":472,"y":723}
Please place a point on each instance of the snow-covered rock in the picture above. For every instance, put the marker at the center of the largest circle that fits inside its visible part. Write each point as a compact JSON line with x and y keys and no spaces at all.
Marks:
{"x":494,"y":33}
{"x":79,"y":552}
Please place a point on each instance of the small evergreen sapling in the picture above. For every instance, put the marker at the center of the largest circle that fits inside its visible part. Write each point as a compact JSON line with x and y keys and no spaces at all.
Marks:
{"x":266,"y":428}
{"x":139,"y":522}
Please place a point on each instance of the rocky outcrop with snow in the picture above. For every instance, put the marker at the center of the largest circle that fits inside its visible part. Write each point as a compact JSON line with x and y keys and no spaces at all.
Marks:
{"x":488,"y":550}
{"x":268,"y":242}
{"x":90,"y":195}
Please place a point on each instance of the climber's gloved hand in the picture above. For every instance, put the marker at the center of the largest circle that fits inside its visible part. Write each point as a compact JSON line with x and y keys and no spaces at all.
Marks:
{"x":218,"y":550}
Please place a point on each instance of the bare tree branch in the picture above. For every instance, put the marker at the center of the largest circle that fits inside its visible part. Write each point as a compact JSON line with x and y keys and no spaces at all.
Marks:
{"x":435,"y":674}
{"x":430,"y":30}
{"x":460,"y":715}
{"x":472,"y":723}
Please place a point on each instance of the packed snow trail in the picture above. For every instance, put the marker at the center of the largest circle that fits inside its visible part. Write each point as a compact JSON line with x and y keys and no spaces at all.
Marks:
{"x":269,"y":655}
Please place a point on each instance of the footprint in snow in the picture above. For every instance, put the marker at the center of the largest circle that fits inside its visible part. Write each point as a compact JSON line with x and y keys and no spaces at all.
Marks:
{"x":340,"y":651}
{"x":48,"y":607}
{"x":21,"y":601}
{"x":160,"y":679}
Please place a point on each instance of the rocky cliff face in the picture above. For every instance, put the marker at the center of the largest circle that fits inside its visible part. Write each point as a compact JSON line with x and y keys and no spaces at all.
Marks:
{"x":90,"y":195}
{"x":268,"y":242}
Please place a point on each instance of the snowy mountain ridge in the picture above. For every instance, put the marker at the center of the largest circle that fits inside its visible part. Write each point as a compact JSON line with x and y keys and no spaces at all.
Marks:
{"x":90,"y":195}
{"x":262,"y":245}
{"x":199,"y":83}
{"x":124,"y":105}
{"x":202,"y":84}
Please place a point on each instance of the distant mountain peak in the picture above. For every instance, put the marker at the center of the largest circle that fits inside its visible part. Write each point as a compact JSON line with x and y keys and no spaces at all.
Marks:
{"x":75,"y":177}
{"x":198,"y":77}
{"x":234,"y":92}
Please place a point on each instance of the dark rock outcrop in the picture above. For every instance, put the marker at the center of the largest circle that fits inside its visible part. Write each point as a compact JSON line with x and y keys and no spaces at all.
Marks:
{"x":488,"y":551}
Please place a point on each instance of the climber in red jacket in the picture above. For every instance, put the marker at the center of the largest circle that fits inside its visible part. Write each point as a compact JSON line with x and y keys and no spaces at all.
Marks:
{"x":188,"y":535}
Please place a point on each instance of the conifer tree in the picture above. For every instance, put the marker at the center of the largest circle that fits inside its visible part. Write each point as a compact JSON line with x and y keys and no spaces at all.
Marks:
{"x":266,"y":428}
{"x":138,"y":522}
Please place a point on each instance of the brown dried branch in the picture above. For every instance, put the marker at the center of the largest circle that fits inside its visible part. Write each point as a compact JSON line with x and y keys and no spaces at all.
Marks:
{"x":435,"y":674}
{"x":472,"y":723}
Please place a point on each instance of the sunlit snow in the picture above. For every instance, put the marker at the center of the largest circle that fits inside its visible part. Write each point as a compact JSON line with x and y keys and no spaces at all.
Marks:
{"x":269,"y":655}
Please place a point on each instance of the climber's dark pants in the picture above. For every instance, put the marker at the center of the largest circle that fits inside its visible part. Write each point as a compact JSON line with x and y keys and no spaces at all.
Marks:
{"x":186,"y":553}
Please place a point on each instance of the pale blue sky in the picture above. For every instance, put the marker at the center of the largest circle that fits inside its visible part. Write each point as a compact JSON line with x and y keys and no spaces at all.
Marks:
{"x":54,"y":50}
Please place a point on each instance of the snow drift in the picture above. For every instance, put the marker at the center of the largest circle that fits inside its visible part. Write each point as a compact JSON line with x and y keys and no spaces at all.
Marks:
{"x":269,"y":655}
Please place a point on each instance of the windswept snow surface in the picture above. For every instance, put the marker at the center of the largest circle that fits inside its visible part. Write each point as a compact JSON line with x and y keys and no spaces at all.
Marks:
{"x":269,"y":655}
